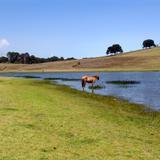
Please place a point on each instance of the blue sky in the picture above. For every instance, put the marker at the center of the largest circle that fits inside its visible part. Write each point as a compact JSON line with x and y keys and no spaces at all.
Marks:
{"x":78,"y":28}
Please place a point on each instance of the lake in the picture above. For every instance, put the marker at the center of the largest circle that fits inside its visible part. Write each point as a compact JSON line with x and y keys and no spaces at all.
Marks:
{"x":137,"y":87}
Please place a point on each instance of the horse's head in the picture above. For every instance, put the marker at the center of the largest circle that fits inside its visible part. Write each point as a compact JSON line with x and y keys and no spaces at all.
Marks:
{"x":97,"y":77}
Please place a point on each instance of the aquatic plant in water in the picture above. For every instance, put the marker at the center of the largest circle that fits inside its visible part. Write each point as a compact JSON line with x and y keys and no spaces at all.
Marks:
{"x":63,"y":79}
{"x":123,"y":82}
{"x":96,"y":87}
{"x":28,"y":76}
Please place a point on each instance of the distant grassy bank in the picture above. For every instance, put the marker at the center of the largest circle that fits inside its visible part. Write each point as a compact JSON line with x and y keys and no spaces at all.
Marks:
{"x":39,"y":121}
{"x":84,"y":70}
{"x":141,"y":60}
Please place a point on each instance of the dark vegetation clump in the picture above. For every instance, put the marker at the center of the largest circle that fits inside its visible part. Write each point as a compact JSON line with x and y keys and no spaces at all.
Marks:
{"x":96,"y":87}
{"x":63,"y":79}
{"x":123,"y":82}
{"x":28,"y":76}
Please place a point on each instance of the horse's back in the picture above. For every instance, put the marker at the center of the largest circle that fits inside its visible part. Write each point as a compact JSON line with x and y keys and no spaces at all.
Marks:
{"x":88,"y":79}
{"x":84,"y":77}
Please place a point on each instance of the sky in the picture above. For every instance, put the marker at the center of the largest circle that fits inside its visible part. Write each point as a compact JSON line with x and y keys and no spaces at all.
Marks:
{"x":76,"y":28}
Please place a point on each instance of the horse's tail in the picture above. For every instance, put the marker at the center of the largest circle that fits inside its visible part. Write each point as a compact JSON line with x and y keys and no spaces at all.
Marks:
{"x":83,"y":83}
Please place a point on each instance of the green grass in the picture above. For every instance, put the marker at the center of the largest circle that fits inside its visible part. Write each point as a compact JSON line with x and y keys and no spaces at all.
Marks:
{"x":40,"y":121}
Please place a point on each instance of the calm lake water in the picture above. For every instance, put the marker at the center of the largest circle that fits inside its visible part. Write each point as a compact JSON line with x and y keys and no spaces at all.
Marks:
{"x":146,"y":92}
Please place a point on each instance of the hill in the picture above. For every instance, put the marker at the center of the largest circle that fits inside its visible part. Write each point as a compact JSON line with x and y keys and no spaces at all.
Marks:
{"x":141,"y":60}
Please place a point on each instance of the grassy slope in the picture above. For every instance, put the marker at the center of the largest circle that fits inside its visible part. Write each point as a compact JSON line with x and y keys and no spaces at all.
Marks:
{"x":42,"y":121}
{"x":142,"y":60}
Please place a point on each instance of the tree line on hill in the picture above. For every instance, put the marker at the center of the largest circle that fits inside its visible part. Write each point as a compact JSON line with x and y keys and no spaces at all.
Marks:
{"x":116,"y":48}
{"x":26,"y":58}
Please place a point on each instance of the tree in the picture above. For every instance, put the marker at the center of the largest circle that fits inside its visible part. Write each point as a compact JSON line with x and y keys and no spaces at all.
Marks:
{"x":54,"y":58}
{"x":24,"y":58}
{"x":3,"y":59}
{"x":61,"y":58}
{"x":148,"y":43}
{"x":71,"y":58}
{"x":32,"y":59}
{"x":109,"y":50}
{"x":13,"y":56}
{"x":115,"y":48}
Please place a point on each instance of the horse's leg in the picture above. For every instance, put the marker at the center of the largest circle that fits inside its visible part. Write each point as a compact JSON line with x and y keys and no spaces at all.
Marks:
{"x":83,"y":88}
{"x":92,"y":88}
{"x":83,"y":84}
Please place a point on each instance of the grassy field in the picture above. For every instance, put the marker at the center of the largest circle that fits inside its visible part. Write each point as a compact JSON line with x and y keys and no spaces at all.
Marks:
{"x":40,"y":121}
{"x":141,"y":60}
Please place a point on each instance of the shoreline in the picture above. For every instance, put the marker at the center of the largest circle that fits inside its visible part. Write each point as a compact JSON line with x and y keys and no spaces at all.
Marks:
{"x":82,"y":70}
{"x":146,"y":108}
{"x":143,"y":107}
{"x":67,"y":88}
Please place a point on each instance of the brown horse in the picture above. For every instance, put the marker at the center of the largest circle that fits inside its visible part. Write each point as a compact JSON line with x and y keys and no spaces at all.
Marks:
{"x":89,"y":79}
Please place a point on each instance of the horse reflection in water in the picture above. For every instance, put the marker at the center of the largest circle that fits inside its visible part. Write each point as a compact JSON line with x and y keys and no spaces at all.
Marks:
{"x":89,"y":79}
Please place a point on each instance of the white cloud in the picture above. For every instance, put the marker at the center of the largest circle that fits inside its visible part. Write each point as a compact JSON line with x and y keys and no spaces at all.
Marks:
{"x":4,"y":43}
